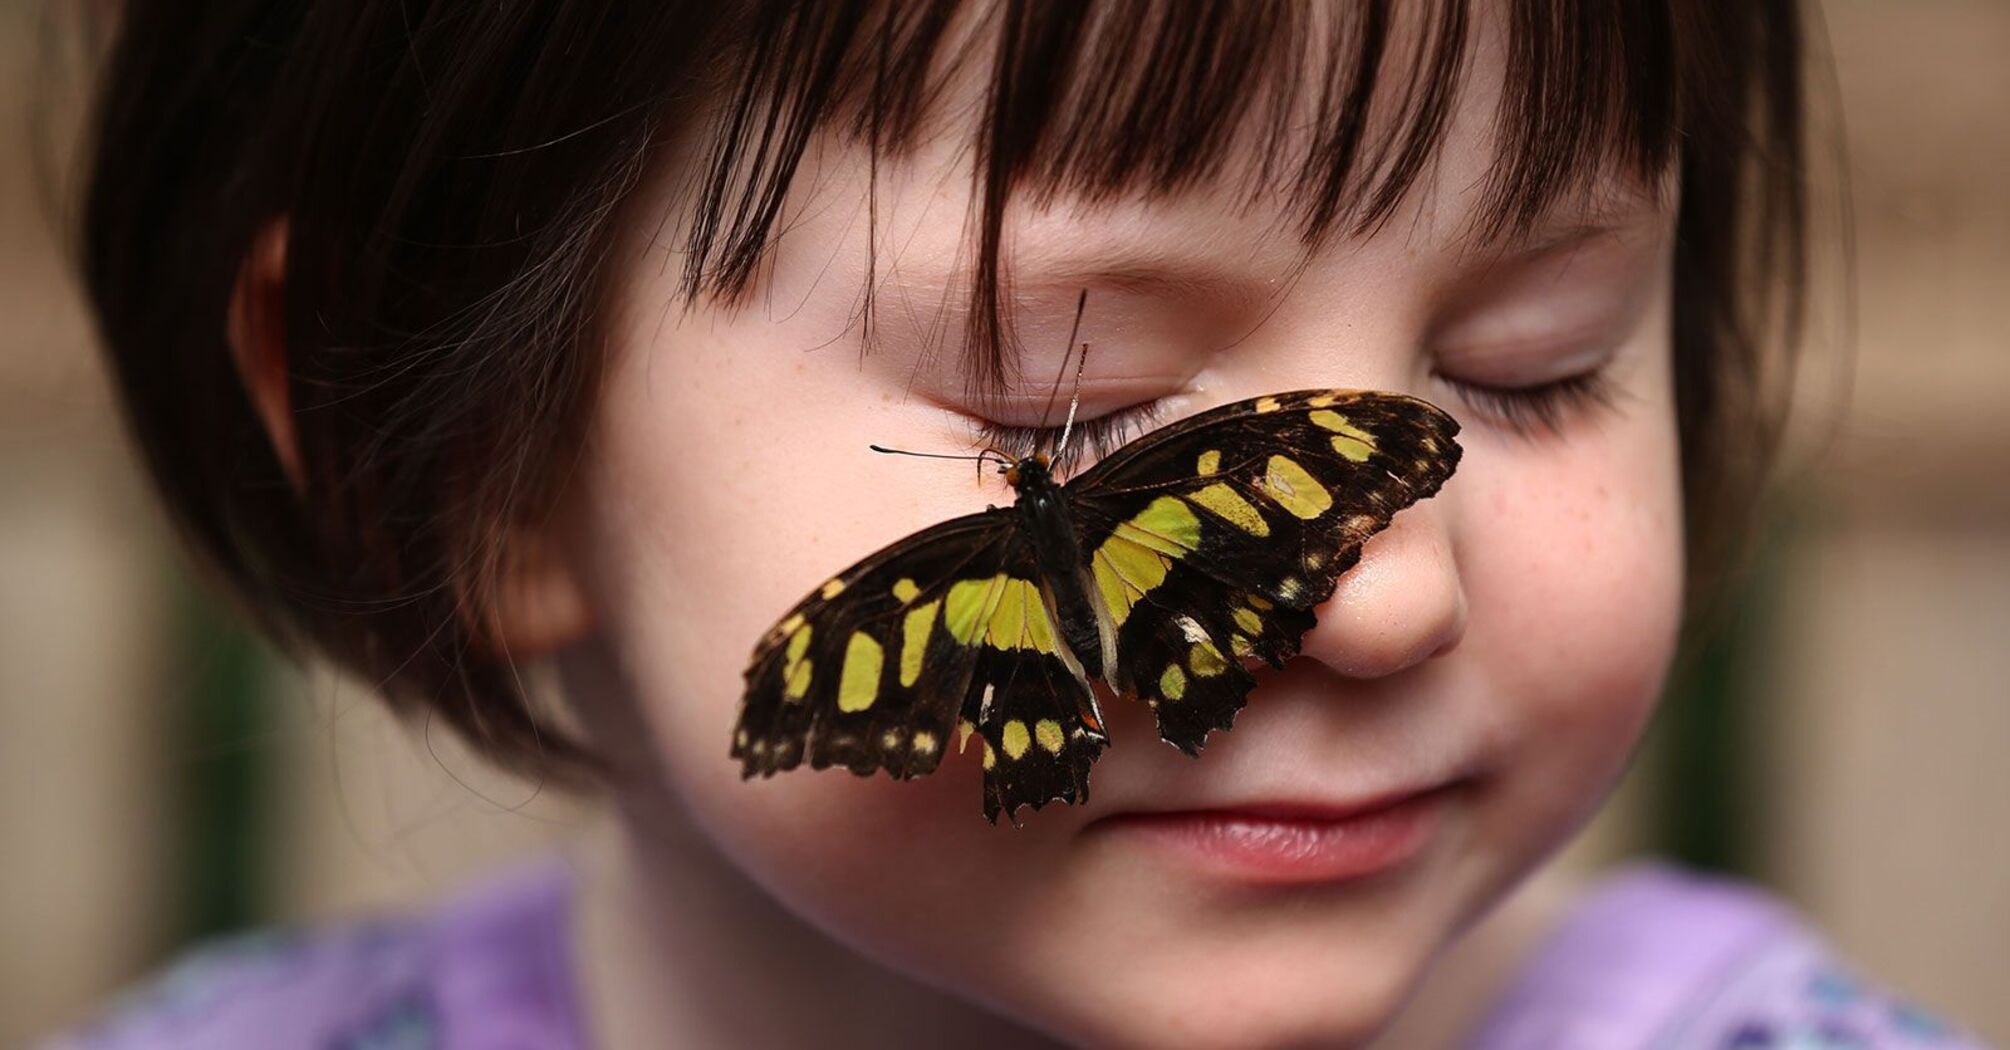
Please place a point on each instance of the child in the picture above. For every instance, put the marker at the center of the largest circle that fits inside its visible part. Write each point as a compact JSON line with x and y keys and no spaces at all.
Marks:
{"x":464,"y":337}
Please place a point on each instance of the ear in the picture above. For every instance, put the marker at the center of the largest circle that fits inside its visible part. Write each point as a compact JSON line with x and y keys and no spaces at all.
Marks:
{"x":539,"y":605}
{"x":256,"y":331}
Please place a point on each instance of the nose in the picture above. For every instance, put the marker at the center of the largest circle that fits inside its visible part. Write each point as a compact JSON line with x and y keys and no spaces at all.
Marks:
{"x":1401,"y":605}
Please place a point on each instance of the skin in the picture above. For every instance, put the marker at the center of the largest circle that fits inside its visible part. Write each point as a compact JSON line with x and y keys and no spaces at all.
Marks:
{"x":1509,"y":636}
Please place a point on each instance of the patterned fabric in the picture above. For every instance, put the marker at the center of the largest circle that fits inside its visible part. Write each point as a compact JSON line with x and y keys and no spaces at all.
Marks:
{"x":1662,"y":959}
{"x":1654,"y":959}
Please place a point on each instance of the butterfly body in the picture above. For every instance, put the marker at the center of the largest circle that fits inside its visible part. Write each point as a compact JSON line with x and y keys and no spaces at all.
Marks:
{"x":1042,"y":509}
{"x":1165,"y":570}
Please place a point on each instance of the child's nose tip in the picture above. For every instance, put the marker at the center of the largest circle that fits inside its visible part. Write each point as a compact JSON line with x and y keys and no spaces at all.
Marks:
{"x":1400,"y":606}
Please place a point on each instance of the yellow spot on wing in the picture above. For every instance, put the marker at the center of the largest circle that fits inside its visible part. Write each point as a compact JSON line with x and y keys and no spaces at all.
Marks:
{"x":970,"y":602}
{"x":1020,"y":620}
{"x":1258,"y":601}
{"x":1294,"y":489}
{"x":1039,"y":629}
{"x":1226,"y":502}
{"x":1048,"y":732}
{"x":798,"y":680}
{"x":1322,"y":400}
{"x":1349,"y":440}
{"x":914,"y":633}
{"x":858,"y":683}
{"x":1133,"y":560}
{"x":1125,"y":571}
{"x":1173,"y":682}
{"x":832,"y":589}
{"x":1168,"y":526}
{"x":904,"y":591}
{"x":1015,"y":738}
{"x":1206,"y":660}
{"x":795,"y":665}
{"x":1009,"y":621}
{"x":963,"y":730}
{"x":1352,"y":449}
{"x":1248,"y":620}
{"x":1266,"y":404}
{"x":924,"y":741}
{"x":799,"y":642}
{"x":1340,"y":424}
{"x":1210,"y":461}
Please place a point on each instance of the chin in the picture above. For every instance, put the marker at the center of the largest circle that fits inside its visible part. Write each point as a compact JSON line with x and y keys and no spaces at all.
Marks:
{"x":1329,"y":1000}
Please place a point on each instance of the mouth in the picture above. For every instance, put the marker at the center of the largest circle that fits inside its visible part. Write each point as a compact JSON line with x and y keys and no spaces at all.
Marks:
{"x":1290,"y":841}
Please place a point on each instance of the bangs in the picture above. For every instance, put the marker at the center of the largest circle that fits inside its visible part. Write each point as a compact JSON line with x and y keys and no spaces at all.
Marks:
{"x":1336,"y":110}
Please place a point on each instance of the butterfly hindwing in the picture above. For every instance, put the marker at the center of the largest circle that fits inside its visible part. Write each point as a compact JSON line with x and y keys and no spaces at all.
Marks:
{"x":1209,"y":542}
{"x":1033,"y":719}
{"x":942,"y":637}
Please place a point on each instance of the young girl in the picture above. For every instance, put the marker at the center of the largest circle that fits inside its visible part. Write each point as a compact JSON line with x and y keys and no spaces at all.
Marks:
{"x":465,"y":338}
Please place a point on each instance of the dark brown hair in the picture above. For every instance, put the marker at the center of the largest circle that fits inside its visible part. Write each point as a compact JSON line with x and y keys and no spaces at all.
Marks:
{"x":451,"y":178}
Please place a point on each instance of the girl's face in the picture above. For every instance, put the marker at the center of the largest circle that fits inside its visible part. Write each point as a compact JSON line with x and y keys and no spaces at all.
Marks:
{"x":1504,"y":640}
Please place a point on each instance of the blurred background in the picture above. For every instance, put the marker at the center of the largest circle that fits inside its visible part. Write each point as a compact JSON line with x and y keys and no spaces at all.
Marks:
{"x":164,"y":777}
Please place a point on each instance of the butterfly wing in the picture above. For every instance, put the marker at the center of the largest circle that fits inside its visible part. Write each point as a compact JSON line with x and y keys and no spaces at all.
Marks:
{"x":1209,"y":542}
{"x":947,"y":631}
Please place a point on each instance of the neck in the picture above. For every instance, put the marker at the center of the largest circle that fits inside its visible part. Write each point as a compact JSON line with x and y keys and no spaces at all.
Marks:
{"x":678,"y":948}
{"x":1468,"y":978}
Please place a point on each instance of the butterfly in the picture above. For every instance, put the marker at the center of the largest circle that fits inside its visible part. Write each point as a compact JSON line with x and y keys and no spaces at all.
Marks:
{"x":1165,"y":570}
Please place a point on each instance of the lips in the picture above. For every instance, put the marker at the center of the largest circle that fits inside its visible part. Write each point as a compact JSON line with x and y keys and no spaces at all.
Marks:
{"x":1289,"y":841}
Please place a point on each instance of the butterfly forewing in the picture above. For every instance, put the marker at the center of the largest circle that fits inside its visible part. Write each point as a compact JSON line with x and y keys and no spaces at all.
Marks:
{"x":860,"y":674}
{"x":1208,"y":543}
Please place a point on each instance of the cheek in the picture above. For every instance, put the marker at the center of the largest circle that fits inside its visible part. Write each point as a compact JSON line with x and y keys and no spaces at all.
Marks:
{"x":1577,"y":600}
{"x":694,"y":550}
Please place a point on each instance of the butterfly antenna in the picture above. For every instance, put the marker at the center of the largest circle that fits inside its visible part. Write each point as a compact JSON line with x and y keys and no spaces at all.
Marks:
{"x":1074,"y":402}
{"x":1081,"y":301}
{"x":980,"y":457}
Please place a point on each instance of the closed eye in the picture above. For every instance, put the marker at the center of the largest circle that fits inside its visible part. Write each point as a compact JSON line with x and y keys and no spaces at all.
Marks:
{"x":1534,"y":411}
{"x":1091,"y":440}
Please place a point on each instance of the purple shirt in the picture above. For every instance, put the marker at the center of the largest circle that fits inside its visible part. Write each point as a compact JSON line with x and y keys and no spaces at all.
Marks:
{"x":1654,"y":958}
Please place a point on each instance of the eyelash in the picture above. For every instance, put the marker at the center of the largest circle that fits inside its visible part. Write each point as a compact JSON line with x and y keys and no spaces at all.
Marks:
{"x":1528,"y":411}
{"x":1092,"y":438}
{"x":1534,"y":411}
